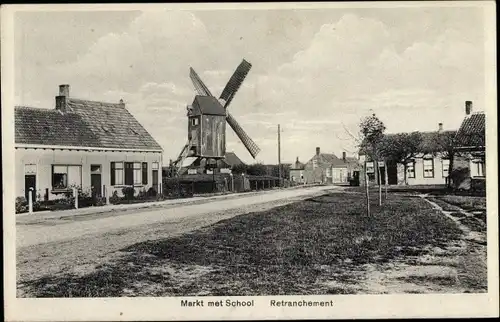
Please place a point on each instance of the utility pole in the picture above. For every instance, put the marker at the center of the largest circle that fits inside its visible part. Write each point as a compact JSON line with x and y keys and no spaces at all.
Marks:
{"x":279,"y":155}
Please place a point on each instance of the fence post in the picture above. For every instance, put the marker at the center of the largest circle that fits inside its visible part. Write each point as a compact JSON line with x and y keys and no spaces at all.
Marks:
{"x":75,"y":194}
{"x":30,"y":200}
{"x":107,"y":191}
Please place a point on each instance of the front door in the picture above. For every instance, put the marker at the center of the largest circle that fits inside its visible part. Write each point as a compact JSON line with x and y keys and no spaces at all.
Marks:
{"x":95,"y":181}
{"x":30,"y":182}
{"x":392,"y":173}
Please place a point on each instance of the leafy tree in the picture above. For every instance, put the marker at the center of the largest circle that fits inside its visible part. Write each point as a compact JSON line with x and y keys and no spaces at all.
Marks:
{"x":285,"y":171}
{"x":401,"y":148}
{"x":239,"y":168}
{"x":372,"y":133}
{"x":444,"y":143}
{"x":257,"y":169}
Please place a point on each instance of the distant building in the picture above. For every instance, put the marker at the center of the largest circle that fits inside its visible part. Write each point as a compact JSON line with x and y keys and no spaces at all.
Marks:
{"x":470,"y":144}
{"x":297,"y":172}
{"x":328,"y":168}
{"x":99,"y":147}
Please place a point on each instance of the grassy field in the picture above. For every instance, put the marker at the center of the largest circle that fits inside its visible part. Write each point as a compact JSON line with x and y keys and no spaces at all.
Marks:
{"x":324,"y":245}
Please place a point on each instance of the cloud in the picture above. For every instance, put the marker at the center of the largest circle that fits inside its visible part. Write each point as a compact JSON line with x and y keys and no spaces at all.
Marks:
{"x":313,"y":79}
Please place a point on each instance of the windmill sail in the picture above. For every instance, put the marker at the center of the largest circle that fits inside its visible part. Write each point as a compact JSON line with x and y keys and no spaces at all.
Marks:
{"x":235,"y":82}
{"x":245,"y":139}
{"x":200,"y":88}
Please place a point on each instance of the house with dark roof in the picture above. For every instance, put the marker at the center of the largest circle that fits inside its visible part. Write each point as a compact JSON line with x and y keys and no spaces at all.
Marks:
{"x":328,"y":168}
{"x":469,"y":167}
{"x":430,"y":166}
{"x":96,"y":146}
{"x":297,"y":171}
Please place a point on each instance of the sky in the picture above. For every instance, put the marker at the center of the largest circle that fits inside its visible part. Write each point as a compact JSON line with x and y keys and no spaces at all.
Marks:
{"x":316,"y":72}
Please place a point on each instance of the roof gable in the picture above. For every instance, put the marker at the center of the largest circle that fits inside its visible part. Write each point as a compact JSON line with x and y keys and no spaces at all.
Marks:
{"x":51,"y":127}
{"x":113,"y":125}
{"x":472,"y":131}
{"x":84,"y":124}
{"x":232,"y":159}
{"x":208,"y":105}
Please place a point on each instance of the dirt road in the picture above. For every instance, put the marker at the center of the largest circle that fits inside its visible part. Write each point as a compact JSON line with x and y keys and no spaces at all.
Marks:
{"x":60,"y":229}
{"x":49,"y":248}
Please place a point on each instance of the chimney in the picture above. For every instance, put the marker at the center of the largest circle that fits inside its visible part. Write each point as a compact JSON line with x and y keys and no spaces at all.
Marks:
{"x":440,"y":127}
{"x":468,"y":107}
{"x":343,"y":156}
{"x":64,"y":90}
{"x":317,"y":150}
{"x":122,"y":104}
{"x":63,"y":98}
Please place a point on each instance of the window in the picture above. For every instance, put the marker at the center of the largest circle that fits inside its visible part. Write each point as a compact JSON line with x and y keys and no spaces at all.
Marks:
{"x":116,"y":173}
{"x":328,"y":172}
{"x":66,"y":176}
{"x":29,"y":169}
{"x":315,"y":164}
{"x":129,"y":173}
{"x":95,"y":169}
{"x":144,"y":173}
{"x":428,"y":168}
{"x":410,"y":169}
{"x":194,"y":121}
{"x":370,"y":167}
{"x":477,"y":168}
{"x":155,"y":166}
{"x":137,"y":173}
{"x":446,"y":167}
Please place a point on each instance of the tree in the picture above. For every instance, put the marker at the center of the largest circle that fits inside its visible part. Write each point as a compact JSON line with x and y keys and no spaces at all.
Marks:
{"x":444,"y":143}
{"x":239,"y":168}
{"x":401,"y":148}
{"x":257,"y":169}
{"x":285,"y":171}
{"x":372,"y":133}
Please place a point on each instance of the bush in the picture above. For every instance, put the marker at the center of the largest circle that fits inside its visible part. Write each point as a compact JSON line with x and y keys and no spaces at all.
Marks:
{"x":142,"y":195}
{"x":100,"y":202}
{"x":152,"y":192}
{"x":458,"y":176}
{"x":128,"y":192}
{"x":114,"y":199}
{"x":21,"y":205}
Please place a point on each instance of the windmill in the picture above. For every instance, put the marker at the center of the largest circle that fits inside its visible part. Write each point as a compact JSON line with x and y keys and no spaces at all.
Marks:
{"x":207,"y":118}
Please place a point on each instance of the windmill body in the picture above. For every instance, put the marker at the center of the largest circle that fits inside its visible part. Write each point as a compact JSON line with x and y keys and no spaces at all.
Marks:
{"x":207,"y":128}
{"x":207,"y":118}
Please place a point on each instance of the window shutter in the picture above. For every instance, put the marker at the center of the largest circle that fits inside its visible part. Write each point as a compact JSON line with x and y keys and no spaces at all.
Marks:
{"x":144,"y":173}
{"x":112,"y":173}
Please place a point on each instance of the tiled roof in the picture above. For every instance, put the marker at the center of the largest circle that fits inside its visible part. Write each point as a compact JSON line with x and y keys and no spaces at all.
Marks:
{"x":232,"y":159}
{"x":297,"y":165}
{"x":334,"y":161}
{"x":430,"y":141}
{"x":113,"y":125}
{"x":85,"y":123}
{"x":208,"y":105}
{"x":51,"y":127}
{"x":471,"y":133}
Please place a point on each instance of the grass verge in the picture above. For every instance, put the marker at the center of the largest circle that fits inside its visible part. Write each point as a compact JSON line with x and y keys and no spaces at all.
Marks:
{"x":286,"y":250}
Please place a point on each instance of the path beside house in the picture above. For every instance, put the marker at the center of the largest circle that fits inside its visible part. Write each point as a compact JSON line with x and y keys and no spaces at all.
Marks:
{"x":53,"y":229}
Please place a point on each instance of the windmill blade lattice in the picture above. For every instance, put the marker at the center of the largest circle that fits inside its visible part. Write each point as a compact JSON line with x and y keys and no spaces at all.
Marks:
{"x":243,"y":136}
{"x":235,"y":82}
{"x":199,"y":86}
